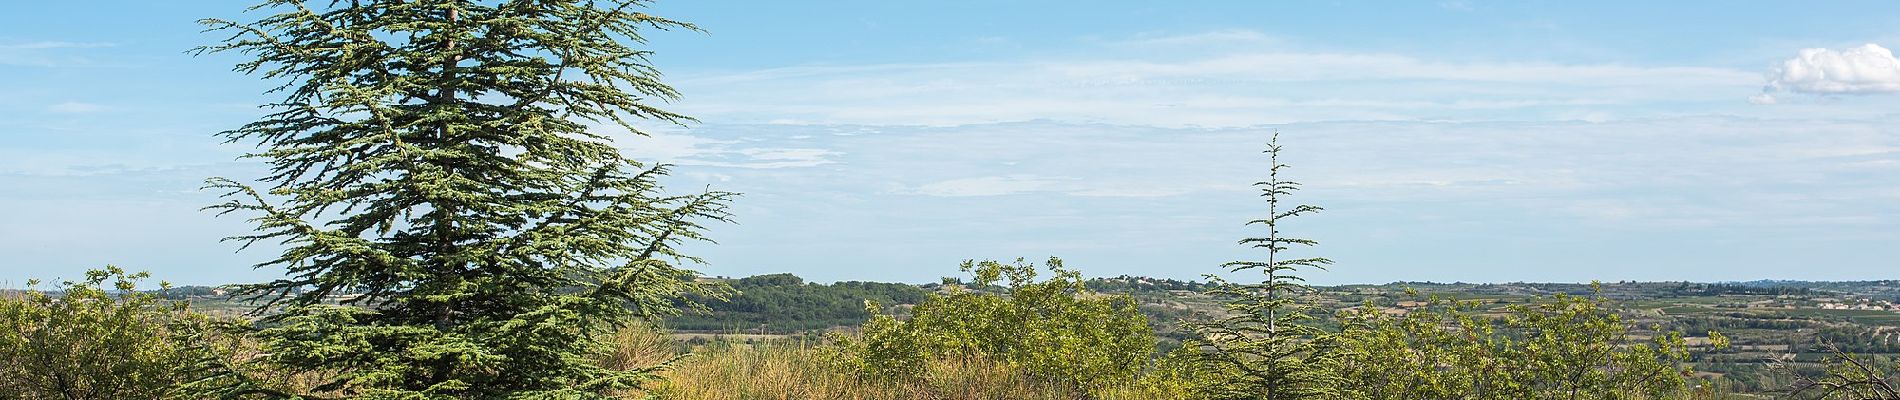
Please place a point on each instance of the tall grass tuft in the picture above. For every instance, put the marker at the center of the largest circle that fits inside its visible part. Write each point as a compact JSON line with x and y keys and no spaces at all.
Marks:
{"x":792,"y":369}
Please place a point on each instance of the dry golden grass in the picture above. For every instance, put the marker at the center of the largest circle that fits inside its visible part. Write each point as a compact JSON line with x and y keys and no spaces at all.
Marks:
{"x":790,"y":369}
{"x":637,"y":346}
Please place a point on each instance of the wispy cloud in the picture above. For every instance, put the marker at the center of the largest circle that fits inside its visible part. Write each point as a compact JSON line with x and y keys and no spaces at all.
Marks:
{"x":1230,"y":38}
{"x":928,"y":193}
{"x":1033,"y":184}
{"x":74,"y":107}
{"x":987,"y":186}
{"x":867,"y":197}
{"x":1244,"y":79}
{"x":48,"y":54}
{"x":675,"y":147}
{"x":1753,"y":171}
{"x":55,"y":45}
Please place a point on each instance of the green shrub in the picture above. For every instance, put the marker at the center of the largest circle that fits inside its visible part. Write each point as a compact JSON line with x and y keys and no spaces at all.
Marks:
{"x":1566,"y":348}
{"x":1055,"y":331}
{"x":91,"y":341}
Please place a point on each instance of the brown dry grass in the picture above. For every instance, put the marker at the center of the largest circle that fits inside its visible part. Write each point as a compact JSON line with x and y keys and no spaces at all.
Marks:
{"x":792,"y":369}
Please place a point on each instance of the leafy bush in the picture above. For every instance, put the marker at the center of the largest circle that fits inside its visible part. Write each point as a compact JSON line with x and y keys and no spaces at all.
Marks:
{"x":92,"y":341}
{"x":1569,"y":347}
{"x":1055,"y":331}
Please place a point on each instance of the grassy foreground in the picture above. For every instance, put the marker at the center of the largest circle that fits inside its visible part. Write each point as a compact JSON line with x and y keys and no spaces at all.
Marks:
{"x":795,"y":369}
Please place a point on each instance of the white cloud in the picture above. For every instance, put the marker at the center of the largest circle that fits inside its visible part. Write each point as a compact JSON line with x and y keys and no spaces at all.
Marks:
{"x":1867,"y":69}
{"x":74,"y":107}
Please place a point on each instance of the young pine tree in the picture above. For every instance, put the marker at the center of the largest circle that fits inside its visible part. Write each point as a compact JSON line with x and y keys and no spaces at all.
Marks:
{"x":433,"y":170}
{"x":1265,"y":347}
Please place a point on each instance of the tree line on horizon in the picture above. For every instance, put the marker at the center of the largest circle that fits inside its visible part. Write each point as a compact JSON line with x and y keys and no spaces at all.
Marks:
{"x":435,"y":159}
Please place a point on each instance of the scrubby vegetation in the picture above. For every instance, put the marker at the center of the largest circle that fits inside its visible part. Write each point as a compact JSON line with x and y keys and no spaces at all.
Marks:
{"x":1056,"y":332}
{"x":784,"y":303}
{"x":83,"y":342}
{"x":453,"y":229}
{"x":1847,"y":377}
{"x":1425,"y":348}
{"x":1566,"y":347}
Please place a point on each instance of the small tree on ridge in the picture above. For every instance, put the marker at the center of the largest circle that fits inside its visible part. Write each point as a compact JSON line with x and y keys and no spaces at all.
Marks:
{"x":1265,"y":346}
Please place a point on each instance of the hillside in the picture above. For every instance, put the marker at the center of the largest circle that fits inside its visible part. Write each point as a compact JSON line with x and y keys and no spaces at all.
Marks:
{"x":1764,"y":321}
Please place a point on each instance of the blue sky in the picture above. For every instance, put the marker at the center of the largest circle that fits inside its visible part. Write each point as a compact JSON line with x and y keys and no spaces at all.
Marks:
{"x":882,"y":140}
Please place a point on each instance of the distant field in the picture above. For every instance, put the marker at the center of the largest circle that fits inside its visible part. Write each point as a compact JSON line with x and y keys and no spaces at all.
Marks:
{"x":729,"y":337}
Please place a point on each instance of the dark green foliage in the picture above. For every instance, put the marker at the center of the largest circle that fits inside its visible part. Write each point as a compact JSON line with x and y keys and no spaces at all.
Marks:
{"x":1055,"y":330}
{"x":433,"y":160}
{"x":1267,"y":346}
{"x":783,"y":303}
{"x":1717,"y":289}
{"x":97,"y":339}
